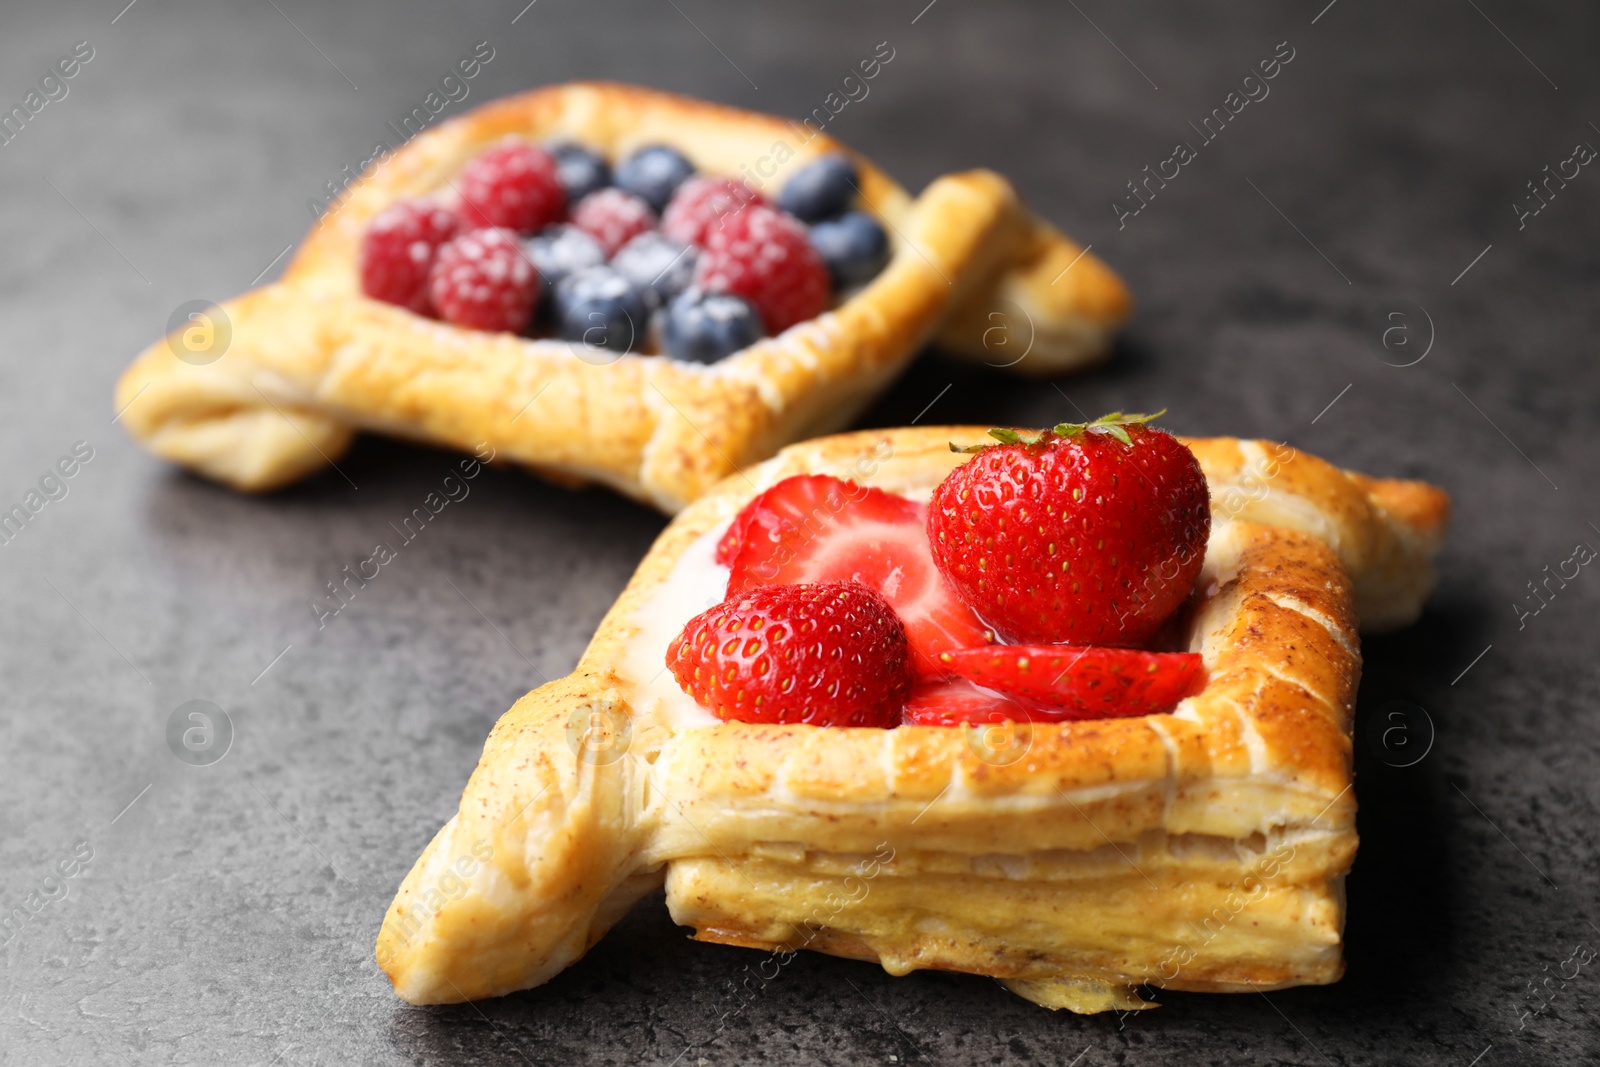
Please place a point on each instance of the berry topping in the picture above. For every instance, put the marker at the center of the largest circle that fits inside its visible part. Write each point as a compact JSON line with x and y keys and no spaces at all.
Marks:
{"x":613,"y":217}
{"x":789,"y":528}
{"x":653,"y":172}
{"x":560,"y":251}
{"x":704,"y":327}
{"x":514,"y":185}
{"x":599,"y":307}
{"x":702,"y":202}
{"x":853,"y":246}
{"x":826,"y":655}
{"x":820,"y":190}
{"x":1079,"y":682}
{"x":482,"y":280}
{"x":1090,"y":533}
{"x":958,"y":702}
{"x":658,"y":266}
{"x":398,"y":251}
{"x":813,"y":528}
{"x":765,"y":256}
{"x":806,"y":486}
{"x":581,"y":169}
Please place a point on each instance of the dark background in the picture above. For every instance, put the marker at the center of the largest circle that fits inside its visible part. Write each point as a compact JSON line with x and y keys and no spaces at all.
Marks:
{"x":229,"y":911}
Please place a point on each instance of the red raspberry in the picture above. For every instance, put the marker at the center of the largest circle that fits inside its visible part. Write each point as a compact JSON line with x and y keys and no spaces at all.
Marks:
{"x":613,"y":217}
{"x":398,"y":252}
{"x":482,"y":280}
{"x":702,"y":203}
{"x":1090,"y":533}
{"x":764,"y":255}
{"x":515,"y":185}
{"x":829,"y":655}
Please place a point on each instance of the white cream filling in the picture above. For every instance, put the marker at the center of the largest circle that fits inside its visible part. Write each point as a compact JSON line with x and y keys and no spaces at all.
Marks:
{"x":697,"y":582}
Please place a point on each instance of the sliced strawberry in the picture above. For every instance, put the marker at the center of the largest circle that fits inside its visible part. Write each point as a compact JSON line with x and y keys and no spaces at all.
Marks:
{"x":958,"y":702}
{"x":798,"y":509}
{"x":732,"y":538}
{"x":801,"y":499}
{"x":813,"y":528}
{"x":1082,"y":682}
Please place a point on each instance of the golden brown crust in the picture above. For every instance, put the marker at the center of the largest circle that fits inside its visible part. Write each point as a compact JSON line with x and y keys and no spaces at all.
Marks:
{"x":1038,"y":310}
{"x":1070,"y":859}
{"x":312,"y":359}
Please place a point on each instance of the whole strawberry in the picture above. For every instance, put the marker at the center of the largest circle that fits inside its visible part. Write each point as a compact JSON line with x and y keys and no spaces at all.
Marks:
{"x":831,"y":654}
{"x":1090,"y":533}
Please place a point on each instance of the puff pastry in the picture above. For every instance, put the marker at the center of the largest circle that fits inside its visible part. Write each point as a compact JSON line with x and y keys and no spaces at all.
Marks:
{"x":312,"y":360}
{"x":1201,"y":850}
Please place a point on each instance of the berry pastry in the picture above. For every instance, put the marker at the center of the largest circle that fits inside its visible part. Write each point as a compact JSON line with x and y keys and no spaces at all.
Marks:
{"x":800,"y":721}
{"x":818,"y":278}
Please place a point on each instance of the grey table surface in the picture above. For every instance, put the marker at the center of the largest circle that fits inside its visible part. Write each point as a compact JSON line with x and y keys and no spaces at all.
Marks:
{"x":1343,"y":268}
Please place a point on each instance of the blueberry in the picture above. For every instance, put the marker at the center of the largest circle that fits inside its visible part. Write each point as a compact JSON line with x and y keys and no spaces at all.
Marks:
{"x":582,"y":170}
{"x":600,"y":307}
{"x":704,"y":327}
{"x":558,"y":251}
{"x":653,"y":172}
{"x":854,"y":247}
{"x":658,"y":266}
{"x":820,"y":190}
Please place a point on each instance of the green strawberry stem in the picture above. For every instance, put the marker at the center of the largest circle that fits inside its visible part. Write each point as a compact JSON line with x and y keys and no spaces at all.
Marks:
{"x":1108,"y":424}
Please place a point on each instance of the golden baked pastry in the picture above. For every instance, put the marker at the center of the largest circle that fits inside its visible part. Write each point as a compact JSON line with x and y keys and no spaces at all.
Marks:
{"x":312,"y":360}
{"x":1200,"y":850}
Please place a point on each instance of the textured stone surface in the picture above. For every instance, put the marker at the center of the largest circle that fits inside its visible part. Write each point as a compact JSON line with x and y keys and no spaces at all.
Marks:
{"x":228,"y":914}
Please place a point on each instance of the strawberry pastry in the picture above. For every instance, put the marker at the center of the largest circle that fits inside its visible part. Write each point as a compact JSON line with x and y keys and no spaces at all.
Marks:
{"x":1069,"y":709}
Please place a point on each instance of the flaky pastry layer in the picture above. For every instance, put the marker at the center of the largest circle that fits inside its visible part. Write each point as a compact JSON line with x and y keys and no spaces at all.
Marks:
{"x":1202,"y":850}
{"x":311,"y":360}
